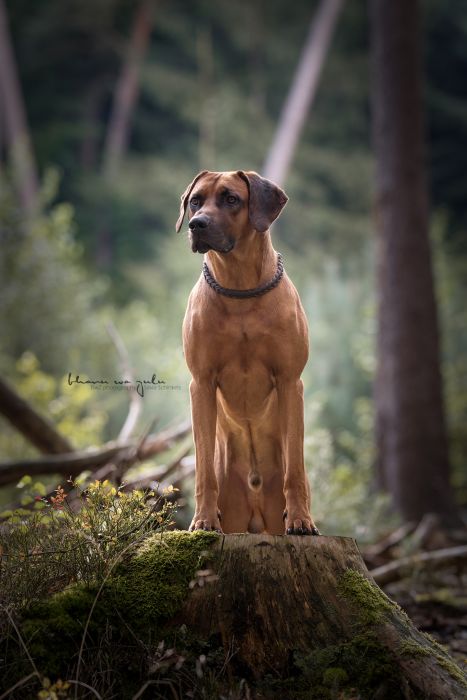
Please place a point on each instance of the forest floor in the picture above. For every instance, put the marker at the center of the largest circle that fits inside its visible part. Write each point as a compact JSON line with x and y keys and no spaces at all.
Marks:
{"x":434,"y":598}
{"x":437,"y":604}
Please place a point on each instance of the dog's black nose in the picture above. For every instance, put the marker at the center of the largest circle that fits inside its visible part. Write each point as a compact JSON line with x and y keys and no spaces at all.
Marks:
{"x":198,"y":222}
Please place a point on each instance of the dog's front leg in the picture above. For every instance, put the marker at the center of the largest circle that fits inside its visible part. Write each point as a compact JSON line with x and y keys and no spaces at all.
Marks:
{"x":297,"y":516}
{"x":203,"y":414}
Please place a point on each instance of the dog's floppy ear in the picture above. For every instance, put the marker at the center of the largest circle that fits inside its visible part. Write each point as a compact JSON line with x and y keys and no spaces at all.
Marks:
{"x":184,"y":200}
{"x":266,"y":200}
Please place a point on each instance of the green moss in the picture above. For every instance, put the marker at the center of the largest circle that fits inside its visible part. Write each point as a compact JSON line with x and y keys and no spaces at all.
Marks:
{"x":373,"y":607}
{"x":453,"y":669}
{"x":411,"y":648}
{"x":435,"y":645}
{"x":153,"y":585}
{"x":361,"y":663}
{"x":446,"y":661}
{"x":414,"y":649}
{"x":335,"y":677}
{"x":369,"y":601}
{"x":143,"y":592}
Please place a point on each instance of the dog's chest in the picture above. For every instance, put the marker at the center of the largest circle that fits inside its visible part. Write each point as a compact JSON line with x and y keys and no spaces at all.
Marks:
{"x":248,"y":338}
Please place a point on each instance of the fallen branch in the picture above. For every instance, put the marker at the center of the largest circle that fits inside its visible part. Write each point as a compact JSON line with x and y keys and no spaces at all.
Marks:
{"x":404,"y":567}
{"x":163,"y":440}
{"x":23,"y":417}
{"x":73,"y":463}
{"x":395,"y":537}
{"x":157,"y":476}
{"x":429,"y":535}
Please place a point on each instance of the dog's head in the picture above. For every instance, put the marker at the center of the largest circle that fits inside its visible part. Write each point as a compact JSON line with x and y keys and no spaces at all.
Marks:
{"x":225,"y":207}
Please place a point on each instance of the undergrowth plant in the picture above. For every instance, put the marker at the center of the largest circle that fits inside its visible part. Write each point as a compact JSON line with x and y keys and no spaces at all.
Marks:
{"x":56,"y":543}
{"x":73,"y":622}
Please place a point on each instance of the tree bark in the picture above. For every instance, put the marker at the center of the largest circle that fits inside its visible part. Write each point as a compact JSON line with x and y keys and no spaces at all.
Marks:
{"x":207,"y":100}
{"x":302,"y":91}
{"x":118,"y":130}
{"x":88,"y":152}
{"x":410,"y":427}
{"x":126,"y":92}
{"x":18,"y":141}
{"x":276,"y":596}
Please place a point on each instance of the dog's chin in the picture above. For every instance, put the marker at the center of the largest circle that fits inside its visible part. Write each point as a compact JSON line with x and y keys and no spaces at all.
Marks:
{"x":203,"y":247}
{"x":200,"y":247}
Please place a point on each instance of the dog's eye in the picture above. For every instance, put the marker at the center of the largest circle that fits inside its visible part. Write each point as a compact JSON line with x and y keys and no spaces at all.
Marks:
{"x":194,"y":202}
{"x":231,"y":199}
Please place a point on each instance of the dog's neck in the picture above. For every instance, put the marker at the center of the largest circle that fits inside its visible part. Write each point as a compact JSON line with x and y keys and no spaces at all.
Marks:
{"x":251,"y":263}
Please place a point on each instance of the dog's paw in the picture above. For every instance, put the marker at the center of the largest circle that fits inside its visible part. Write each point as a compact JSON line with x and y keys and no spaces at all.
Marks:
{"x":296,"y":525}
{"x":204,"y":521}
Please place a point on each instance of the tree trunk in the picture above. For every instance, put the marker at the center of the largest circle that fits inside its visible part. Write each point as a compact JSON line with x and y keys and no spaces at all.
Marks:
{"x":18,"y":142}
{"x":302,"y":91}
{"x":311,"y":599}
{"x":207,"y":100}
{"x":411,"y":436}
{"x":88,"y":152}
{"x":126,"y":92}
{"x":118,"y":130}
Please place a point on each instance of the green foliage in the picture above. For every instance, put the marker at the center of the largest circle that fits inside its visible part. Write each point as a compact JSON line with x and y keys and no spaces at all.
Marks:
{"x":73,"y":410}
{"x":128,"y":577}
{"x":148,"y":589}
{"x":46,"y":295}
{"x":451,"y":279}
{"x":324,"y":232}
{"x":52,"y":545}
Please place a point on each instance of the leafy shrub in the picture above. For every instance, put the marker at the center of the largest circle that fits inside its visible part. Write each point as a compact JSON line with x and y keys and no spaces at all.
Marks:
{"x":56,"y":543}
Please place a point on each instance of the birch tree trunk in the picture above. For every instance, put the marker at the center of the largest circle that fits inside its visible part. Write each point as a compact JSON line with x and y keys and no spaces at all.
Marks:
{"x":411,"y":435}
{"x":127,"y":89}
{"x":208,"y":100}
{"x":302,"y":91}
{"x":118,"y":131}
{"x":17,"y":138}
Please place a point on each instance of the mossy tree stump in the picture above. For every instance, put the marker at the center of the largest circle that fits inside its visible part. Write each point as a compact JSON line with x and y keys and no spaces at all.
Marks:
{"x":282,"y":597}
{"x":298,"y":617}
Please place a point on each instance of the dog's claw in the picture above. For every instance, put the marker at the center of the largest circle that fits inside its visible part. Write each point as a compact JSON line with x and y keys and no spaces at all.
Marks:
{"x":205,"y":525}
{"x":302,"y":530}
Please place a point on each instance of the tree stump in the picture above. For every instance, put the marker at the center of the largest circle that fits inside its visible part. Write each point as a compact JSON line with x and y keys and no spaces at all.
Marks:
{"x":284,"y":602}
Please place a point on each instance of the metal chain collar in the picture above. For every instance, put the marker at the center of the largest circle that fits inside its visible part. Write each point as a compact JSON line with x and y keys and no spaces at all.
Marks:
{"x":245,"y":293}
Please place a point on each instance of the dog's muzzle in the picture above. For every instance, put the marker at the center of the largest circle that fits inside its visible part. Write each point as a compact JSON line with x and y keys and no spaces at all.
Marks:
{"x":203,"y":239}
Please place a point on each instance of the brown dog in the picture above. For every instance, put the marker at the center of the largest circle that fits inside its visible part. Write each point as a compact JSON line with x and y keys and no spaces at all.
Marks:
{"x":246,"y":353}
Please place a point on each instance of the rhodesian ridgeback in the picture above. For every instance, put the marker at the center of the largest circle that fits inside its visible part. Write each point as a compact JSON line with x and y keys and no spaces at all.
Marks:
{"x":245,"y":339}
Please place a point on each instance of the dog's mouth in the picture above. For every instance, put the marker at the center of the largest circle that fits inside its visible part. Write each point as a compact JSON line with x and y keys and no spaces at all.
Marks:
{"x":200,"y":246}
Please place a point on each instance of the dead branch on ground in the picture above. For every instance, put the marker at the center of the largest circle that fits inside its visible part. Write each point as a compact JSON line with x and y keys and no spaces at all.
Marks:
{"x":406,"y":566}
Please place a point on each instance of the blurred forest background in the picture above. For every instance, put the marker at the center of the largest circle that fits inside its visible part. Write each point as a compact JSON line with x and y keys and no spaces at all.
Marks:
{"x":204,"y":85}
